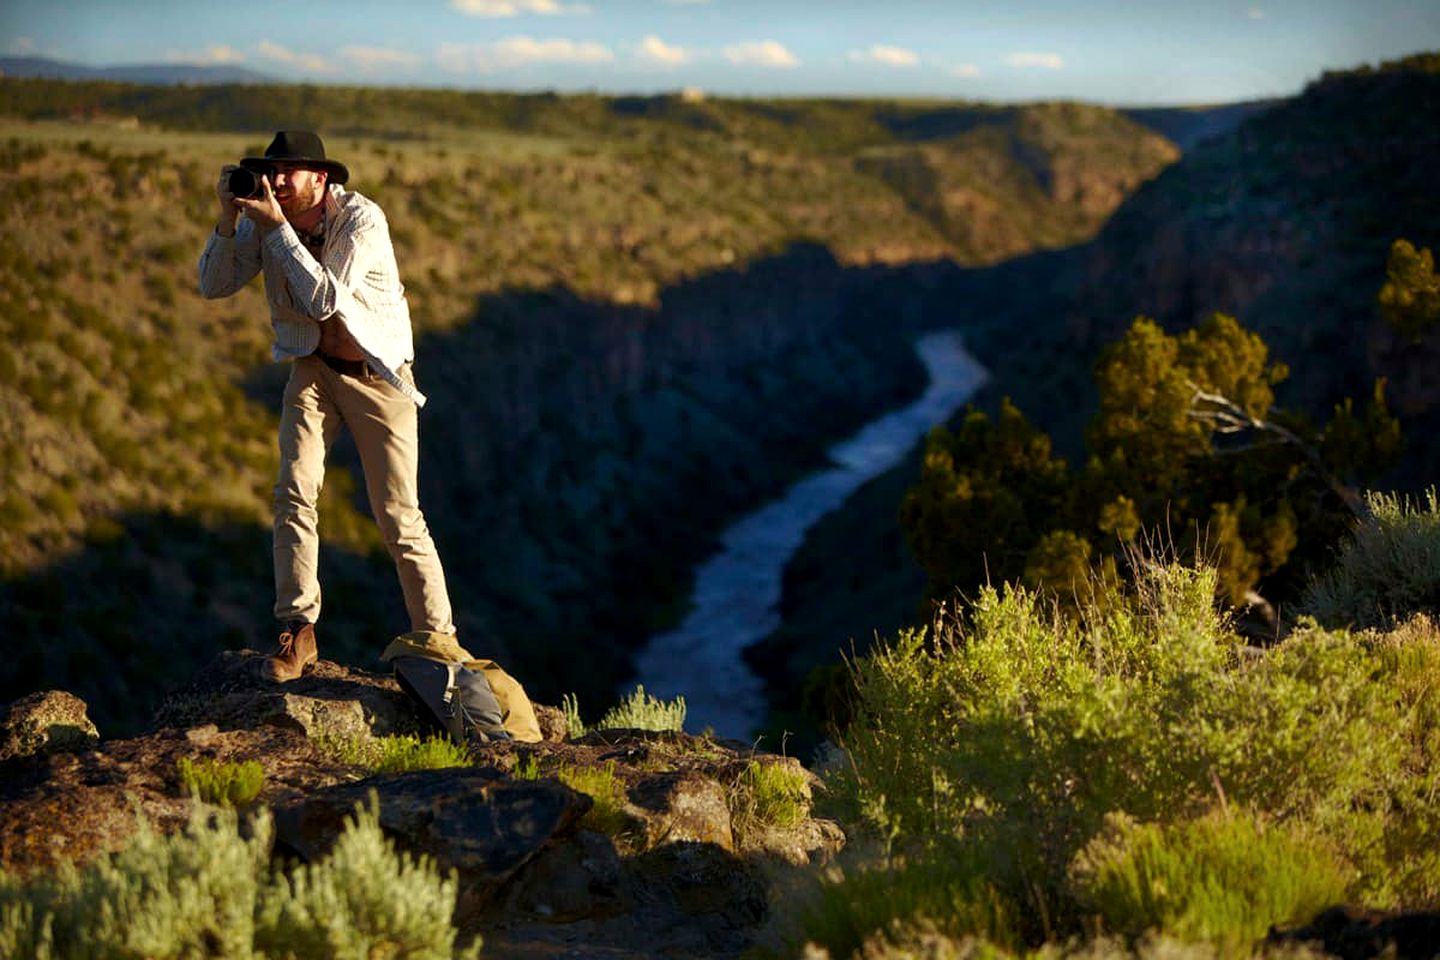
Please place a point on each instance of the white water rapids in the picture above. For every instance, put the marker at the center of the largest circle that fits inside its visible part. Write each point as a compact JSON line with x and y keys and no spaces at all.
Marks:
{"x":737,"y":592}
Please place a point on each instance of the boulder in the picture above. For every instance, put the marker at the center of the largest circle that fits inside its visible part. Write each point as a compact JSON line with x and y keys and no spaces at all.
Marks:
{"x":474,"y":820}
{"x":583,"y":879}
{"x":329,"y":700}
{"x":51,"y":721}
{"x":554,"y":728}
{"x":682,"y":805}
{"x":704,"y":882}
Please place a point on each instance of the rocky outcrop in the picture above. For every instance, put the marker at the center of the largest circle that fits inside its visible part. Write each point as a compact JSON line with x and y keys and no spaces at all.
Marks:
{"x":679,"y":865}
{"x":52,"y":721}
{"x":329,"y":700}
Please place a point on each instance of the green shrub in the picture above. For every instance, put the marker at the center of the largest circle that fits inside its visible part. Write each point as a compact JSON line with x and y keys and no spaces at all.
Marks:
{"x":574,"y":726}
{"x":356,"y":751}
{"x":527,"y":767}
{"x":363,"y":900}
{"x":1393,"y":836}
{"x":600,"y":784}
{"x":219,"y":782}
{"x":401,"y":753}
{"x":770,"y":793}
{"x":395,"y":754}
{"x":641,"y":711}
{"x":946,"y":892}
{"x":1387,"y":570}
{"x":1223,"y":878}
{"x":607,"y":792}
{"x":638,"y":711}
{"x":1012,"y":733}
{"x":208,"y":891}
{"x":191,"y":894}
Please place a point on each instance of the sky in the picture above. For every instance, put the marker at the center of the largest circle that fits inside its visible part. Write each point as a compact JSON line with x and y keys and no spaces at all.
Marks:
{"x":1123,"y":52}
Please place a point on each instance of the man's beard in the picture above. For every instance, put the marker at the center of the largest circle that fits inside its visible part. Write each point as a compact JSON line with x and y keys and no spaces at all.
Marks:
{"x":293,"y":204}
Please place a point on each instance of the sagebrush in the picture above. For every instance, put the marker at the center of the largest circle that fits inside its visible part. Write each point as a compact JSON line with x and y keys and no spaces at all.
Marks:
{"x":210,"y":891}
{"x":1388,"y":569}
{"x":989,"y":751}
{"x":636,"y":711}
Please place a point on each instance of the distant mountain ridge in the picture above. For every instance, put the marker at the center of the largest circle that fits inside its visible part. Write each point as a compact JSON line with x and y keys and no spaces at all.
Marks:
{"x":147,"y":73}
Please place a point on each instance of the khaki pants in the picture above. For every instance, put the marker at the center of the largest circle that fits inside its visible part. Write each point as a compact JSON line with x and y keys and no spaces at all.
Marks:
{"x":385,"y":426}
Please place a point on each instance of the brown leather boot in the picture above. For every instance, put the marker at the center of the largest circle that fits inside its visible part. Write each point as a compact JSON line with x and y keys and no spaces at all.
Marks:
{"x":297,"y":650}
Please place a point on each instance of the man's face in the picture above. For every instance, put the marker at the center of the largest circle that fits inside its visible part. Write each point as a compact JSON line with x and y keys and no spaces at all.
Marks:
{"x":297,"y":188}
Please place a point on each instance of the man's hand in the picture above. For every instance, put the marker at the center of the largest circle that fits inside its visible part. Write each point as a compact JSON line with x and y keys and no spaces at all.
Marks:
{"x":229,"y":211}
{"x":264,"y":211}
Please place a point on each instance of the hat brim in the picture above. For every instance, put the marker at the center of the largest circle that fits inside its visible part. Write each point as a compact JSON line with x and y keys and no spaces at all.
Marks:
{"x":339,"y":173}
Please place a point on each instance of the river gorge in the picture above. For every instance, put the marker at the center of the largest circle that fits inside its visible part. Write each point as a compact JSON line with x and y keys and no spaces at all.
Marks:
{"x":737,"y":592}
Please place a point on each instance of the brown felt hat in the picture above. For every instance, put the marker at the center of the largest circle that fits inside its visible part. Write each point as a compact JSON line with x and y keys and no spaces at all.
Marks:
{"x":298,"y":146}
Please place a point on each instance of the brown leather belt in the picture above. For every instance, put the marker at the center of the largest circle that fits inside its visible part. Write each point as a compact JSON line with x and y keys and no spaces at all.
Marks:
{"x":350,"y":368}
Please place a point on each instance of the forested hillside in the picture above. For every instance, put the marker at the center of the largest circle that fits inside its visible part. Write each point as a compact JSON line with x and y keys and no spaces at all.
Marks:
{"x":634,"y":317}
{"x":1285,"y":223}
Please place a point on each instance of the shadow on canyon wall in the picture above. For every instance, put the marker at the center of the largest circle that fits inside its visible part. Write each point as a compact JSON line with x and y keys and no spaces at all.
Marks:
{"x":578,"y":458}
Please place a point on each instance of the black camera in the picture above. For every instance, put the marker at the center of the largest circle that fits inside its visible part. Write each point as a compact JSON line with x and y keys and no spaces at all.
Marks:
{"x":245,"y":183}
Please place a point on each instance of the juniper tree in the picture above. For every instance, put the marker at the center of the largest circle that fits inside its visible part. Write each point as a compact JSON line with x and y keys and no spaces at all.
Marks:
{"x":1410,"y":297}
{"x":1187,"y":441}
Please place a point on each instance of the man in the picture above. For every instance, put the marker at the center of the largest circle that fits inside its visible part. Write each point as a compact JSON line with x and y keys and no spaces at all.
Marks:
{"x":339,"y":314}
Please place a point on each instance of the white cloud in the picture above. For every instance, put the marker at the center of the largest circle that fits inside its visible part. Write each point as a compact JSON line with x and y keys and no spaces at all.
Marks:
{"x":963,"y":70}
{"x":378,"y":58}
{"x":656,"y":51}
{"x":518,"y":52}
{"x":312,"y":62}
{"x":493,"y":9}
{"x":1255,"y":13}
{"x":889,"y":56}
{"x":761,"y":53}
{"x":1045,"y":61}
{"x":22,"y":46}
{"x":216,"y":53}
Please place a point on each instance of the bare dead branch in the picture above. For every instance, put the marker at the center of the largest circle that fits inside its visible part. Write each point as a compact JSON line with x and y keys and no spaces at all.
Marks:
{"x":1226,"y":416}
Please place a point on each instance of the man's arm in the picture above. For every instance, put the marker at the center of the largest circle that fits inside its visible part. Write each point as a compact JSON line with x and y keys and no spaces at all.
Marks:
{"x":232,"y":256}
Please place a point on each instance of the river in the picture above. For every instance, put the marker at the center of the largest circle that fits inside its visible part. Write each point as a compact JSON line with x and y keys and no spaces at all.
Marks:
{"x":736,"y":600}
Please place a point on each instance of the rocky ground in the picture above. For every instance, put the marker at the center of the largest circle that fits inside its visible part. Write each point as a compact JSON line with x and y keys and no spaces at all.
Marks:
{"x":681,"y":869}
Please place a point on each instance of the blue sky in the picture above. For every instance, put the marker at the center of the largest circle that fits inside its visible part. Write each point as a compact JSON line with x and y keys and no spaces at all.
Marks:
{"x":1110,"y":51}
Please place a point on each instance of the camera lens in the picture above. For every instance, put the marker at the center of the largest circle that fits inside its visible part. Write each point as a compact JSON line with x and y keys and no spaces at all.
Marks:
{"x":244,"y":183}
